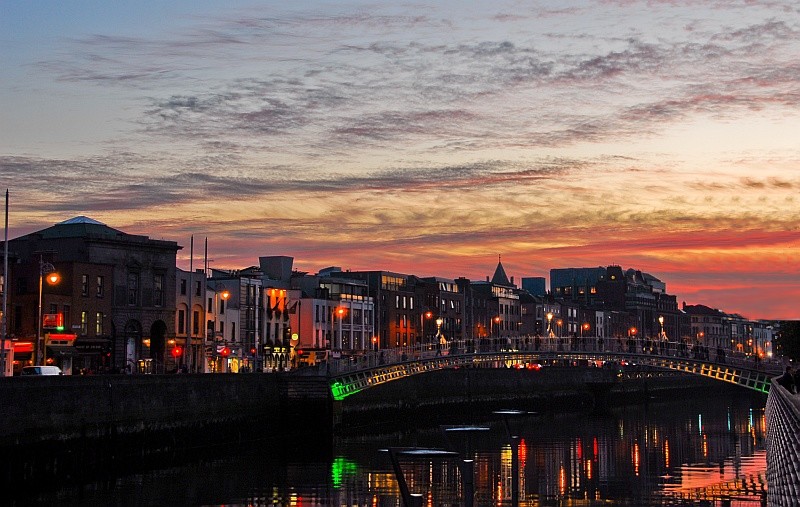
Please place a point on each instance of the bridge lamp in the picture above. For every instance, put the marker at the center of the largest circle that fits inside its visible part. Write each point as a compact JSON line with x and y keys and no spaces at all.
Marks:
{"x":549,"y":324}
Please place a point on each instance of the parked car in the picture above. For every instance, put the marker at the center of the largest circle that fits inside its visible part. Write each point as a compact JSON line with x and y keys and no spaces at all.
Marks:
{"x":41,"y":370}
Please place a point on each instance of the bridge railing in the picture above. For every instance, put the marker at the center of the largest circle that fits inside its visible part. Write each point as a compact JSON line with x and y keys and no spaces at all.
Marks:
{"x":350,"y":361}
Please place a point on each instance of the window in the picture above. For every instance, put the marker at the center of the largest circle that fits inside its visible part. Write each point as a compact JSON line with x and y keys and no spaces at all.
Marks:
{"x":197,"y":288}
{"x":233,"y":331}
{"x":183,"y":286}
{"x":100,"y":287}
{"x":195,"y":322}
{"x":221,"y":306}
{"x":99,"y":327}
{"x":53,"y":308}
{"x":67,"y":320}
{"x":133,"y":288}
{"x":181,"y":321}
{"x":84,"y":285}
{"x":210,"y":305}
{"x":84,"y":323}
{"x":158,"y":290}
{"x":222,"y":328}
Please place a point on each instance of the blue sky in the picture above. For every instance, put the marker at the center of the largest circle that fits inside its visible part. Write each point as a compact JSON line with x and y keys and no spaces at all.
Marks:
{"x":422,"y":137}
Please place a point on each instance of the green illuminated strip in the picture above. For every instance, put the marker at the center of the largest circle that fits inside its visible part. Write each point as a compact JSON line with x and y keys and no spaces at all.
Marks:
{"x":341,"y":391}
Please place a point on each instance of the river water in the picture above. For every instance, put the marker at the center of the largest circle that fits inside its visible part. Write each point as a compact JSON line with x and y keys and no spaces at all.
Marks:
{"x":701,"y":451}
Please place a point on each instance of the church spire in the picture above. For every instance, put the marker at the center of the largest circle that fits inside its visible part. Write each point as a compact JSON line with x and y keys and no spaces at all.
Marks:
{"x":500,"y":277}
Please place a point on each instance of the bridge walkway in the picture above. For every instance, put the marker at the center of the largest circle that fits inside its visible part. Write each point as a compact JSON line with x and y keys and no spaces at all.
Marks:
{"x":349,"y":374}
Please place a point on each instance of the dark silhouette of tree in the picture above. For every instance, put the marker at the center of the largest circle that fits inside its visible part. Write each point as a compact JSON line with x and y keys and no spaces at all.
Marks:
{"x":787,"y":342}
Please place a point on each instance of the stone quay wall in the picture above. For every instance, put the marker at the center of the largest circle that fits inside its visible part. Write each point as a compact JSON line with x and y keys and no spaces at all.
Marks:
{"x":783,"y":447}
{"x":50,"y":409}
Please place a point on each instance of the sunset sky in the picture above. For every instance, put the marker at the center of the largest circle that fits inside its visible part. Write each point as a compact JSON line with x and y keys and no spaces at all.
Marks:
{"x":425,"y":138}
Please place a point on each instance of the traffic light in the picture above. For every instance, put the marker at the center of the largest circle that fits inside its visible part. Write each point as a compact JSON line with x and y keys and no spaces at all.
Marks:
{"x":177,"y":351}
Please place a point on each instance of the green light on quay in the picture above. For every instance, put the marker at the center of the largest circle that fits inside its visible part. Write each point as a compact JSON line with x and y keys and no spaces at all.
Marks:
{"x":341,"y":468}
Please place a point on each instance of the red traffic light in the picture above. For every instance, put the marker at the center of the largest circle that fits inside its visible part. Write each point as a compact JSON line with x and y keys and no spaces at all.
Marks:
{"x":225,"y":352}
{"x":177,"y":351}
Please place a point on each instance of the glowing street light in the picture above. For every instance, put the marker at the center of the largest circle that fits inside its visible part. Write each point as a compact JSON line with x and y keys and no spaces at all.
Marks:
{"x":340,"y":311}
{"x":45,"y":268}
{"x":549,"y":324}
{"x":492,"y":323}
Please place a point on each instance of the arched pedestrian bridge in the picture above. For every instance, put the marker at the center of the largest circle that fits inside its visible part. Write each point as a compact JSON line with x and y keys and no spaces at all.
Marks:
{"x":351,"y":374}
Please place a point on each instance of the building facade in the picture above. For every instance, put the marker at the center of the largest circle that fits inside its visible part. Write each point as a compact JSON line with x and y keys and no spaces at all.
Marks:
{"x":116,"y":293}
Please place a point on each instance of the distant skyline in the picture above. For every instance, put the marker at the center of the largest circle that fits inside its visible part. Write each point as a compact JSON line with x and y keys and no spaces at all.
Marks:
{"x":425,"y":137}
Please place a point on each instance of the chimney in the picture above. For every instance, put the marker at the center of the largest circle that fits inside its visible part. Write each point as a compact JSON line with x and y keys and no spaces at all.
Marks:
{"x":487,"y":278}
{"x":512,"y":280}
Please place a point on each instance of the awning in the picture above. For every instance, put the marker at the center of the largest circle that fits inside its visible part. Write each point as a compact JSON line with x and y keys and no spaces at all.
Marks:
{"x":85,"y":345}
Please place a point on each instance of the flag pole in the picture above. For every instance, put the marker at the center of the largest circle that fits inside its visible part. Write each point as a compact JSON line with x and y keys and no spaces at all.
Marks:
{"x":189,"y":345}
{"x":6,"y":278}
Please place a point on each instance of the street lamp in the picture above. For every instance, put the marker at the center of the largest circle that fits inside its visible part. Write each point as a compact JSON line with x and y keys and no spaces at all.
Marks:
{"x":584,"y":327}
{"x":661,"y":323}
{"x":560,"y":328}
{"x":45,"y":268}
{"x":495,"y":320}
{"x":439,"y":323}
{"x":224,"y":295}
{"x":340,"y":312}
{"x":549,"y":324}
{"x":427,"y":315}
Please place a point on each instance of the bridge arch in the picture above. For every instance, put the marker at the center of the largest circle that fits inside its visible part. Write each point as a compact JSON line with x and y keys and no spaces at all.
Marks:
{"x":348,"y":377}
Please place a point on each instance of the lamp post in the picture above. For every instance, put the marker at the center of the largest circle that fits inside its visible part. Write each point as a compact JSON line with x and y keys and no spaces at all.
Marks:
{"x":495,"y":320}
{"x":560,"y":327}
{"x":428,"y":316}
{"x":662,"y":334}
{"x":45,"y":268}
{"x":340,"y":312}
{"x":550,"y":325}
{"x":223,"y":295}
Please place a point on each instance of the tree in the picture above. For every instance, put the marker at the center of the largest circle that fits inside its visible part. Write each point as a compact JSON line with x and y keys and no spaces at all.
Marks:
{"x":787,"y":341}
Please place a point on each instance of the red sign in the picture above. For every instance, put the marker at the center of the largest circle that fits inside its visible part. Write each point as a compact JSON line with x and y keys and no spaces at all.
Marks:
{"x":53,"y":320}
{"x":60,"y":338}
{"x":22,"y":347}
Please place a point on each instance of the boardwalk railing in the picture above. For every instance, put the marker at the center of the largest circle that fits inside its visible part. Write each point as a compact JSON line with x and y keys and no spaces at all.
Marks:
{"x":783,"y":447}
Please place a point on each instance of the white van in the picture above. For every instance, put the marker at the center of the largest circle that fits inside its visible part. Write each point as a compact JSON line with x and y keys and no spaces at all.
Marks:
{"x":41,"y":370}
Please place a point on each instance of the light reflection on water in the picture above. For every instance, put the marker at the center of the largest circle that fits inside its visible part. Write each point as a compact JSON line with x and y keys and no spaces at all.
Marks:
{"x":703,"y":452}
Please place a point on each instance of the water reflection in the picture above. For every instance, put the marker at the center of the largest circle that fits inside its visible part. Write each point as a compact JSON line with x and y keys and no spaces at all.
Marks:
{"x":702,"y":452}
